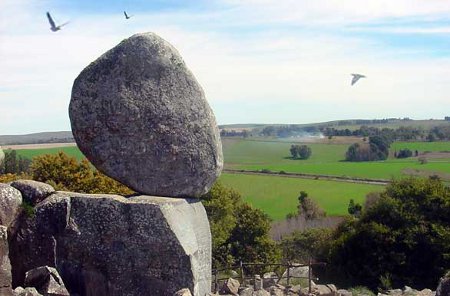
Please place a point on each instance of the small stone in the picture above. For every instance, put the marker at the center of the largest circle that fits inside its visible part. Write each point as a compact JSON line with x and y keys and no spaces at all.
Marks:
{"x":10,"y":201}
{"x":261,"y":293}
{"x":183,"y":292}
{"x":19,"y":291}
{"x":140,"y":116}
{"x":342,"y":292}
{"x":230,"y":286}
{"x":246,"y":292}
{"x":33,"y":191}
{"x":269,"y":279}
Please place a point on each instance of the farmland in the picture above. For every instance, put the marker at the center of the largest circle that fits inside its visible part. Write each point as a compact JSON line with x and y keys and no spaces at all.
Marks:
{"x":277,"y":195}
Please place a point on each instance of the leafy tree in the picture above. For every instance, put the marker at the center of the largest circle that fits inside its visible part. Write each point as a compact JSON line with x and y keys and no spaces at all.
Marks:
{"x":403,"y":239}
{"x":304,"y":152}
{"x":239,"y":231}
{"x":13,"y":163}
{"x":404,"y":153}
{"x":354,"y":209}
{"x":310,"y":244}
{"x":308,"y":207}
{"x":300,"y":151}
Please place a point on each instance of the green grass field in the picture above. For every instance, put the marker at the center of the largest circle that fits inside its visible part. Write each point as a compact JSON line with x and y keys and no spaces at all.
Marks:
{"x":328,"y":159}
{"x":277,"y":196}
{"x":71,"y":151}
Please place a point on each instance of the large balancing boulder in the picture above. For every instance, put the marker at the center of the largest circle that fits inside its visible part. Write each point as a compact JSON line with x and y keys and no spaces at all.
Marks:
{"x":140,"y":116}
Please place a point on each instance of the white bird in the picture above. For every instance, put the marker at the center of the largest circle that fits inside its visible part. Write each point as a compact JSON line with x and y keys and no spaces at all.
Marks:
{"x":126,"y":15}
{"x":53,"y":27}
{"x":356,"y":77}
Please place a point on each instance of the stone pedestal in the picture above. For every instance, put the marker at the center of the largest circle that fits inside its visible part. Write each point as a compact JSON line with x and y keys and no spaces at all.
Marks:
{"x":111,"y":245}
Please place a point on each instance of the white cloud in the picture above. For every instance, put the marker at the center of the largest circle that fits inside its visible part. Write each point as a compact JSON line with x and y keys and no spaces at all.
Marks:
{"x":307,"y":73}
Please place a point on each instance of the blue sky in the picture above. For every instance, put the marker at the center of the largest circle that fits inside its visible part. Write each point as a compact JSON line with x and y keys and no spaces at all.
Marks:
{"x":259,"y":61}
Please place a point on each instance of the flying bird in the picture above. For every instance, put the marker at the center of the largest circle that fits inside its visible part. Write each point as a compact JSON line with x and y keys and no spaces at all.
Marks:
{"x":53,"y":27}
{"x":356,"y":77}
{"x":126,"y":15}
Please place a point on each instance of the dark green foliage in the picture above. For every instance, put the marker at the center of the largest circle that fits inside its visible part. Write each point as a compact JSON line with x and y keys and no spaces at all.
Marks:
{"x":354,"y":209}
{"x":300,"y":151}
{"x":308,"y":207}
{"x":402,"y":239}
{"x":313,"y":244}
{"x":404,"y":153}
{"x":28,"y":209}
{"x":376,"y":149}
{"x":14,"y":164}
{"x":239,"y":231}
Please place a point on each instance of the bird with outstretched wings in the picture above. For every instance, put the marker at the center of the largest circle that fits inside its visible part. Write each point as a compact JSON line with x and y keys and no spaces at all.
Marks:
{"x":126,"y":15}
{"x":53,"y":26}
{"x":356,"y":77}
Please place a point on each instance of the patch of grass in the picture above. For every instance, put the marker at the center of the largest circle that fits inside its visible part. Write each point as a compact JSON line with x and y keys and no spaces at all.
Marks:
{"x":71,"y":151}
{"x":360,"y":290}
{"x":29,"y":210}
{"x":277,"y":196}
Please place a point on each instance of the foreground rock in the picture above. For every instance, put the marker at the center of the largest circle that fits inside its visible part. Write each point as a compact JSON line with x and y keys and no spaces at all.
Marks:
{"x":443,"y":288}
{"x":110,"y":245}
{"x":5,"y":265}
{"x":46,"y":280}
{"x":33,"y":191}
{"x":140,"y":116}
{"x":10,"y":201}
{"x":19,"y":291}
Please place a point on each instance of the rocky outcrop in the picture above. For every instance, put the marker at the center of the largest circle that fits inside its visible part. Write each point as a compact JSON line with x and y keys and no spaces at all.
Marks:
{"x":108,"y":244}
{"x":46,"y":280}
{"x":10,"y":201}
{"x":33,"y":191}
{"x":140,"y":116}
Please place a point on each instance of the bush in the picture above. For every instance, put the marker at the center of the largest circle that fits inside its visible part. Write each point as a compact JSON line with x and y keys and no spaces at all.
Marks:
{"x":300,"y":151}
{"x":404,"y":153}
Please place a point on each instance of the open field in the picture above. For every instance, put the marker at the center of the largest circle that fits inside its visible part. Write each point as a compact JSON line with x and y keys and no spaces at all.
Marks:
{"x":69,"y":150}
{"x":277,"y":196}
{"x":328,"y":159}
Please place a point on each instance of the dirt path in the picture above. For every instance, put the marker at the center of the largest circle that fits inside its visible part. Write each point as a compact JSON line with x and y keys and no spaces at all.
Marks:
{"x":311,"y":176}
{"x":38,"y":146}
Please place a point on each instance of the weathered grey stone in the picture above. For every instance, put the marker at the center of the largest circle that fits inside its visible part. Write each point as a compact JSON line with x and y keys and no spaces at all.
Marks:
{"x":342,"y":292}
{"x":297,"y":271}
{"x":183,"y":292}
{"x":395,"y":292}
{"x":230,"y":286}
{"x":33,"y":191}
{"x":10,"y":201}
{"x":140,"y":116}
{"x":443,"y":288}
{"x":248,"y":291}
{"x":5,"y":265}
{"x":261,"y":293}
{"x":19,"y":291}
{"x":46,"y":280}
{"x":324,"y":290}
{"x":269,"y":279}
{"x":107,"y":244}
{"x":426,"y":292}
{"x":276,"y":291}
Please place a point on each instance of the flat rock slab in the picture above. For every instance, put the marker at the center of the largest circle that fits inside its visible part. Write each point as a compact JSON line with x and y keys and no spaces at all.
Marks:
{"x":33,"y":191}
{"x":140,"y":116}
{"x":108,"y":245}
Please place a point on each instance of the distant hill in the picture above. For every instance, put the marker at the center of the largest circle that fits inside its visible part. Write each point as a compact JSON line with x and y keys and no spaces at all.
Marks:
{"x":37,"y":138}
{"x":352,"y":124}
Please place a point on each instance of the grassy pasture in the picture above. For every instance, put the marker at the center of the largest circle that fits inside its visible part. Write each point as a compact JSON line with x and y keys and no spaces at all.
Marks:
{"x":328,"y":159}
{"x":71,"y":151}
{"x":277,"y":196}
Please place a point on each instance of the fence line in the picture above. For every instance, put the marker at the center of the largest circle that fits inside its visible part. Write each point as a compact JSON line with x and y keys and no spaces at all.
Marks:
{"x":288,"y":277}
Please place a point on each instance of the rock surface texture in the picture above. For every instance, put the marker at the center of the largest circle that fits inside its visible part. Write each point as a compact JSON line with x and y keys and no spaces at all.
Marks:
{"x":111,"y":245}
{"x":140,"y":116}
{"x":46,"y":280}
{"x":33,"y":191}
{"x":5,"y":265}
{"x":10,"y":201}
